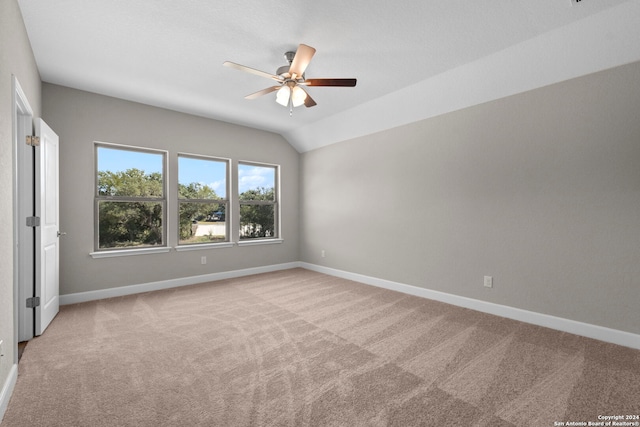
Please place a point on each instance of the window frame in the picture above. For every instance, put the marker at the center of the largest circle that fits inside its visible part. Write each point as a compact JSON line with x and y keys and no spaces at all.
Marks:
{"x":226,"y":201}
{"x":106,"y":252}
{"x":277,"y":238}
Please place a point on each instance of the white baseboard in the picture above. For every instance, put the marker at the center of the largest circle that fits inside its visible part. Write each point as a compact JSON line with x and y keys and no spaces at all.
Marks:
{"x":601,"y":333}
{"x":7,"y":390}
{"x":171,"y":283}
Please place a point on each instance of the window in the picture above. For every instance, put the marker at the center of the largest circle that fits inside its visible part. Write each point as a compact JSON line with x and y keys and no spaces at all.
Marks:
{"x":130,"y":201}
{"x":202,"y":200}
{"x":258,"y":196}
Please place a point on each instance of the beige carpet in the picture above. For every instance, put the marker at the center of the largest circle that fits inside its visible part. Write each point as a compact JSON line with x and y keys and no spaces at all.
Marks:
{"x":298,"y":348}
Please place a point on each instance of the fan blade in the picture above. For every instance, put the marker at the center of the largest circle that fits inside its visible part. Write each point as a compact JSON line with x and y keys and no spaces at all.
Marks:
{"x":252,"y":71}
{"x":301,"y":60}
{"x":309,"y":102}
{"x":330,"y":82}
{"x":263,"y":92}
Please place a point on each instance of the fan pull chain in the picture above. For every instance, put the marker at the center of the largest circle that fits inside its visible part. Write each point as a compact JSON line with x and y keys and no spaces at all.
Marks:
{"x":290,"y":106}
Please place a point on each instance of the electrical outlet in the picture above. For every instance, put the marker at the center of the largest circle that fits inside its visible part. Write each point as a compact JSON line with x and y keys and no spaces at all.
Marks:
{"x":1,"y":349}
{"x":488,"y":282}
{"x":203,"y":260}
{"x":322,"y":253}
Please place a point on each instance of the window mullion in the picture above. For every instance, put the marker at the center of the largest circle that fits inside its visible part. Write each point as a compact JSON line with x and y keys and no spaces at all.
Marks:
{"x":181,"y":200}
{"x":130,"y":199}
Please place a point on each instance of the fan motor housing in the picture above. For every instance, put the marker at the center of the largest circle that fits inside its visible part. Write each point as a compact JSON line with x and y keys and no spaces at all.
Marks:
{"x":283,"y":70}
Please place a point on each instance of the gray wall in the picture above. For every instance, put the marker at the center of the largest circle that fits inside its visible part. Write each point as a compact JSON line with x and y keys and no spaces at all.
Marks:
{"x":80,"y":118}
{"x":16,"y":58}
{"x":540,"y":190}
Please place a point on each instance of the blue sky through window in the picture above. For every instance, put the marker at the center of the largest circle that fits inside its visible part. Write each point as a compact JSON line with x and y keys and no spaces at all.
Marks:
{"x":208,"y":172}
{"x":252,"y":177}
{"x":116,"y":160}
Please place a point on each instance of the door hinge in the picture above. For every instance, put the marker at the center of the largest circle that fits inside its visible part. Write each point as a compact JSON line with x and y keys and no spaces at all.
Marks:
{"x":33,"y":140}
{"x":33,"y":302}
{"x":33,"y":221}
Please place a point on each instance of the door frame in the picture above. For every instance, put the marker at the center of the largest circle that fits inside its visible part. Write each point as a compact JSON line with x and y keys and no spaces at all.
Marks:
{"x":23,"y":240}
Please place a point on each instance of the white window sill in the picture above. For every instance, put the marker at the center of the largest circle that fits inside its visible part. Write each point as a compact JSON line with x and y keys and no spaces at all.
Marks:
{"x":195,"y":247}
{"x":255,"y":242}
{"x":129,"y":252}
{"x":203,"y":246}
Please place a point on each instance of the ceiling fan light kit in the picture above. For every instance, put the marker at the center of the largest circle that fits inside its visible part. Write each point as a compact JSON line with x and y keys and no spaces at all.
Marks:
{"x":282,"y":96}
{"x":291,"y":79}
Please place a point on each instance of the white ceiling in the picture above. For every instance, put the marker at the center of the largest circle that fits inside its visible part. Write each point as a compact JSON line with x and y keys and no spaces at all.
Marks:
{"x":413,"y":58}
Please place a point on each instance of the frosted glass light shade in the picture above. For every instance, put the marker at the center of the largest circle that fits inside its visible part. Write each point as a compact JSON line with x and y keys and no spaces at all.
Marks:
{"x":298,"y":95}
{"x":282,"y":96}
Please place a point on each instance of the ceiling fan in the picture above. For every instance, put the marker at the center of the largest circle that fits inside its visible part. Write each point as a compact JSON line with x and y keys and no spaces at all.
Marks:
{"x":291,"y":79}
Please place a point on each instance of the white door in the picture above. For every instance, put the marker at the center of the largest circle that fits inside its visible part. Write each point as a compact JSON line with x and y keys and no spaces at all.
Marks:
{"x":48,"y":233}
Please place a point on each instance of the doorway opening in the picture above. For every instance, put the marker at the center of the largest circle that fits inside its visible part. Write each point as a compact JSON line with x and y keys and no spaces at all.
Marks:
{"x":36,"y":222}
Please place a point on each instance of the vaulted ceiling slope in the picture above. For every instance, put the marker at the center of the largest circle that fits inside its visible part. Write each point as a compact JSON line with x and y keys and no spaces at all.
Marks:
{"x":413,"y":59}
